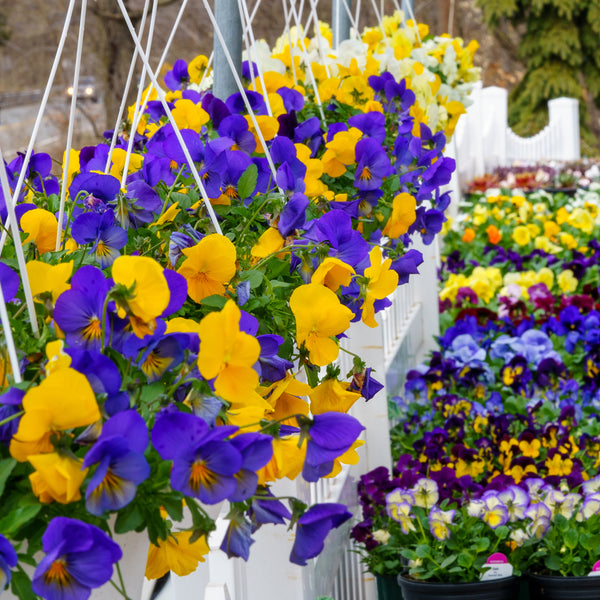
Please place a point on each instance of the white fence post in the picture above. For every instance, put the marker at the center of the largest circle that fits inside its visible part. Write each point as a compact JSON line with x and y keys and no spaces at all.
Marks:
{"x":564,"y":116}
{"x":494,"y":104}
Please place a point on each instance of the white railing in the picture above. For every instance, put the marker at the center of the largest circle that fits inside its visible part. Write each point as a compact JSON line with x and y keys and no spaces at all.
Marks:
{"x":483,"y":140}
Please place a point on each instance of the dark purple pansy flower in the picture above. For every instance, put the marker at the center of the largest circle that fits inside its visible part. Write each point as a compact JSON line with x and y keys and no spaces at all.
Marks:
{"x":292,"y":99}
{"x":372,"y":165}
{"x":235,"y":127}
{"x":265,"y":508}
{"x":235,"y":103}
{"x":78,"y":311}
{"x":329,"y":435}
{"x":238,"y":538}
{"x":335,"y":227}
{"x":138,"y":205}
{"x":8,"y":560}
{"x":271,"y":367}
{"x":249,"y":69}
{"x":365,"y":384}
{"x":407,"y":265}
{"x":98,"y":186}
{"x":178,"y":76}
{"x":313,"y":527}
{"x":9,"y":281}
{"x":103,"y":233}
{"x":119,"y":452}
{"x":293,"y":215}
{"x":216,"y":108}
{"x":371,"y":124}
{"x":177,"y":292}
{"x":204,"y":464}
{"x":256,"y":450}
{"x":79,"y":558}
{"x":10,"y":404}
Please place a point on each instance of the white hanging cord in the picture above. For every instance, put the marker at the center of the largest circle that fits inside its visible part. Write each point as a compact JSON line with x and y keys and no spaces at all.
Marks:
{"x":252,"y":56}
{"x":317,"y":28}
{"x":414,"y":20}
{"x":13,"y":224}
{"x":379,"y":17}
{"x":357,"y":16}
{"x":306,"y":59}
{"x":287,"y":15}
{"x":236,"y":77}
{"x":63,"y":190}
{"x":10,"y":342}
{"x":39,"y":117}
{"x":186,"y":152}
{"x":115,"y":135}
{"x":137,"y":108}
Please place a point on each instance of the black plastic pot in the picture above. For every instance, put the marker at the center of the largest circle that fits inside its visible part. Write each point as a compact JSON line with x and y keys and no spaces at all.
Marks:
{"x":496,"y":589}
{"x":388,"y":588}
{"x":551,"y":587}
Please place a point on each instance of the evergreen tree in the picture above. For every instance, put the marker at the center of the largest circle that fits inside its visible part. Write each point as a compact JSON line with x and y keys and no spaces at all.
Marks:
{"x":560,"y":48}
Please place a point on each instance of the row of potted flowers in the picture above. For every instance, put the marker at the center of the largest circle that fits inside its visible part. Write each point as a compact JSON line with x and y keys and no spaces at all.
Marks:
{"x":497,"y":443}
{"x":186,"y":304}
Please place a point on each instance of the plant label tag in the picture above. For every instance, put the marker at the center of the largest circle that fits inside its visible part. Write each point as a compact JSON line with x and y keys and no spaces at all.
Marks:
{"x":497,"y":567}
{"x":595,"y":572}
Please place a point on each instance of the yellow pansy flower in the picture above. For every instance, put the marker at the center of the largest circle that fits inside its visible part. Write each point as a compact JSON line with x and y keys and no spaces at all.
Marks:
{"x":227,"y":354}
{"x":404,"y":214}
{"x":382,"y":281}
{"x":188,"y":115}
{"x":176,"y":554}
{"x":209,"y":266}
{"x":287,"y":460}
{"x":268,"y":243}
{"x":567,"y":282}
{"x":521,"y":235}
{"x":48,"y":280}
{"x":332,"y":395}
{"x":41,"y":226}
{"x":333,"y":273}
{"x":146,"y":292}
{"x":56,"y":477}
{"x":319,"y":316}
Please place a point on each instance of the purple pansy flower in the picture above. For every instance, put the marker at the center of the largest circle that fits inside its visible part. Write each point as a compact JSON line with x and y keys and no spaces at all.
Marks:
{"x":313,"y":527}
{"x":79,"y":558}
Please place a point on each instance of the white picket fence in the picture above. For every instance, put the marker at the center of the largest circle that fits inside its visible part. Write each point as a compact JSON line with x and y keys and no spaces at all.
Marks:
{"x":483,"y":140}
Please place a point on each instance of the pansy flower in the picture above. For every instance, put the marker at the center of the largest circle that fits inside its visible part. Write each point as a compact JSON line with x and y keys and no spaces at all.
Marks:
{"x":102,"y":232}
{"x":204,"y":463}
{"x":119,"y":453}
{"x":79,"y":558}
{"x":8,"y":560}
{"x":312,"y":528}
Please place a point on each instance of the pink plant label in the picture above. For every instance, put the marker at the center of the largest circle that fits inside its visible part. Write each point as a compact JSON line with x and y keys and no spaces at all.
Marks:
{"x":595,"y":570}
{"x":497,"y":567}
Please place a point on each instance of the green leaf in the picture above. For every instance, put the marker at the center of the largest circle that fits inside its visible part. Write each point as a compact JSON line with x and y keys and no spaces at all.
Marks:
{"x":552,"y":563}
{"x":21,"y":586}
{"x":6,"y":467}
{"x":590,"y":542}
{"x":571,"y":538}
{"x":215,"y":301}
{"x":247,"y":182}
{"x":18,"y":517}
{"x":174,"y":507}
{"x":423,"y":551}
{"x":151,"y":391}
{"x":448,"y":561}
{"x":482,"y":544}
{"x":184,"y":199}
{"x":254,"y":277}
{"x":465,"y":560}
{"x":128,"y":519}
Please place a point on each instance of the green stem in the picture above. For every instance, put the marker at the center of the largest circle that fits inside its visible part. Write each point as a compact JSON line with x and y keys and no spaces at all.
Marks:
{"x":169,"y":192}
{"x":103,"y":324}
{"x":254,"y":215}
{"x":12,"y":418}
{"x":123,"y":589}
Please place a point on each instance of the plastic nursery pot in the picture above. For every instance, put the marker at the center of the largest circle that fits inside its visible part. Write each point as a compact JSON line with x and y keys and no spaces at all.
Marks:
{"x":552,"y":587}
{"x":506,"y":588}
{"x":388,"y":588}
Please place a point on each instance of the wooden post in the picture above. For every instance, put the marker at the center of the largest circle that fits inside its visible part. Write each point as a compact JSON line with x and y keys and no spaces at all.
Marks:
{"x":227,"y":15}
{"x":340,"y":15}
